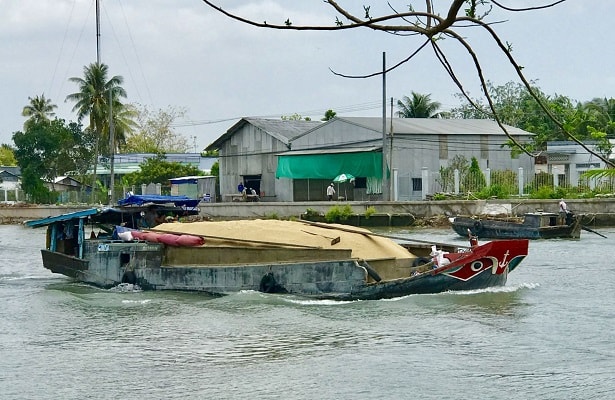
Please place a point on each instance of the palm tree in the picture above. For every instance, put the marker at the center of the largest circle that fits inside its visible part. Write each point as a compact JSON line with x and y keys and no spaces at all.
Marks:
{"x":603,"y":112}
{"x":123,"y":125}
{"x":420,"y":106}
{"x":92,"y":100}
{"x":40,"y":109}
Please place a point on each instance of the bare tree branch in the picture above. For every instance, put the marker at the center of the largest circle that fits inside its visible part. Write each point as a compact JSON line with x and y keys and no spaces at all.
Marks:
{"x":528,"y":8}
{"x":431,"y":24}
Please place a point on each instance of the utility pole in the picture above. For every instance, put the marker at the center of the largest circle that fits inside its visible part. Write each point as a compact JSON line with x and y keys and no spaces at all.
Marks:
{"x":111,"y":151}
{"x":392,"y":180}
{"x":385,"y":180}
{"x":97,"y":31}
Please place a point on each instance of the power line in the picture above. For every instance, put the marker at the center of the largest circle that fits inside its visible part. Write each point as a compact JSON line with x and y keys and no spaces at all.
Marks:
{"x":341,"y":109}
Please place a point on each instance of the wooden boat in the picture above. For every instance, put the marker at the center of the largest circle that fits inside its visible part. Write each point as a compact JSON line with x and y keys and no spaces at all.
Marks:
{"x":296,"y":257}
{"x":534,"y":225}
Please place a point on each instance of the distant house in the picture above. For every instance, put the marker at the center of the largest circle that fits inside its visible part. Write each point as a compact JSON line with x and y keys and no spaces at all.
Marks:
{"x":248,"y":154}
{"x":64,"y":183}
{"x":568,"y":160}
{"x":305,"y":163}
{"x":195,"y":187}
{"x":124,"y":164}
{"x":9,"y":178}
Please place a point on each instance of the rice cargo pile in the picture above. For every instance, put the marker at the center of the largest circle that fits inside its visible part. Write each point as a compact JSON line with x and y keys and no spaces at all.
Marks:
{"x":257,"y":233}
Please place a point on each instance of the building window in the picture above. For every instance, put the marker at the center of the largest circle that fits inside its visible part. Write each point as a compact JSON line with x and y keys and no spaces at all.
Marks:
{"x":417,"y":184}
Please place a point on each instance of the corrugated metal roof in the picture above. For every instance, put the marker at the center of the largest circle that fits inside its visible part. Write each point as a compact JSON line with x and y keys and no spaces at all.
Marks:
{"x":331,"y":151}
{"x":283,"y":130}
{"x":11,"y":170}
{"x":435,"y":126}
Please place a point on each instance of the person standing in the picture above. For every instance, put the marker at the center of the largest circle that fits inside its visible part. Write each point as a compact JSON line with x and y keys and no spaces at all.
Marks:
{"x":330,"y":191}
{"x":240,"y":187}
{"x":563,"y":211}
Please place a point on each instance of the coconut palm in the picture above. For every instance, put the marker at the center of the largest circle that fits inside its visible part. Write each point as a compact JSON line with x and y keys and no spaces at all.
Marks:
{"x":420,"y":106}
{"x":124,"y":124}
{"x":92,"y":100}
{"x":603,"y":112}
{"x":40,"y":109}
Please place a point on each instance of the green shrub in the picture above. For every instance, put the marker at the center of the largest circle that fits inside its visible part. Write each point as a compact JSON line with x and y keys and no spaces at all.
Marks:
{"x":371,"y":210}
{"x":338,"y":213}
{"x":272,"y":216}
{"x":310,"y":212}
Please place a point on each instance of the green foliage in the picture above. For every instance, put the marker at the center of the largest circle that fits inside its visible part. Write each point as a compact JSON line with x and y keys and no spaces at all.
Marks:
{"x":215,"y":169}
{"x":310,"y":212}
{"x":369,"y":211}
{"x":39,"y":109}
{"x":494,"y":191}
{"x":272,"y":216}
{"x":294,"y":117}
{"x":50,"y":149}
{"x":474,"y":180}
{"x":419,"y":106}
{"x":516,"y":107}
{"x":338,"y":213}
{"x":7,"y":156}
{"x":93,"y":101}
{"x":329,"y":114}
{"x":34,"y":188}
{"x":447,"y":174}
{"x":158,"y":170}
{"x":211,"y":153}
{"x":549,"y":192}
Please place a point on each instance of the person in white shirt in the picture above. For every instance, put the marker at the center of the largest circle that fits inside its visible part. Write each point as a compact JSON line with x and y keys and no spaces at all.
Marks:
{"x":330,"y":191}
{"x":563,"y":211}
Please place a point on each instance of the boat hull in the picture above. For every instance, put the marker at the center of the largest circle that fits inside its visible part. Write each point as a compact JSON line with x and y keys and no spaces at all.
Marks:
{"x":498,"y":229}
{"x":107,"y":264}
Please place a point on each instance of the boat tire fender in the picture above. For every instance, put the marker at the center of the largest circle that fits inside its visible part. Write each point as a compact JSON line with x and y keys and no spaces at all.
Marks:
{"x":420,"y":261}
{"x":268,"y":283}
{"x":129,"y":277}
{"x":371,"y":271}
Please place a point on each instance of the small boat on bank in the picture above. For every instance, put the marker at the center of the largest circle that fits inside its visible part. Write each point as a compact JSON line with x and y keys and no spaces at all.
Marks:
{"x":534,"y":225}
{"x":301,"y":258}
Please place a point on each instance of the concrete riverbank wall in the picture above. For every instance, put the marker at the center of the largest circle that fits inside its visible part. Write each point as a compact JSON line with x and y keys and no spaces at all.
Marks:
{"x":599,"y":212}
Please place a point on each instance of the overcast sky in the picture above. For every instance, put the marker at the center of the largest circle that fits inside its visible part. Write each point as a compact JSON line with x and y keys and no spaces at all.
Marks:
{"x":181,"y":53}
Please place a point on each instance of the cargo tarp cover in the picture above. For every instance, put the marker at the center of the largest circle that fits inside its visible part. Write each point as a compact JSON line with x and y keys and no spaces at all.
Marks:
{"x":329,"y":165}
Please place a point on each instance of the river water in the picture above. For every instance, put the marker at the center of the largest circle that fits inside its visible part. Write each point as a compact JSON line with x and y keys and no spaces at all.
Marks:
{"x":548,"y":334}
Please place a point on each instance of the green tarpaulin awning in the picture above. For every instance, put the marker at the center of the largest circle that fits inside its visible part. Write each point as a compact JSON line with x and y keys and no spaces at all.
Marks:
{"x":328,"y":165}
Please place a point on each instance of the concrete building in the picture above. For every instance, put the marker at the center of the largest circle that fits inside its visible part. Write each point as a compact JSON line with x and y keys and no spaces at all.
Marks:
{"x":416,"y":150}
{"x":10,"y":177}
{"x":568,"y":160}
{"x":305,"y":163}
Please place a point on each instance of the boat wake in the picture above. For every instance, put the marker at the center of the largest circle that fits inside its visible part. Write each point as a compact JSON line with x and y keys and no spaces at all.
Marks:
{"x":126,"y":287}
{"x":290,"y":299}
{"x":498,"y":289}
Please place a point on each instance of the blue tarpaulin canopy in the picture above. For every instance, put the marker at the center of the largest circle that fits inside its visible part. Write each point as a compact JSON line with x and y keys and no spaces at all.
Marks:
{"x":139,"y":200}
